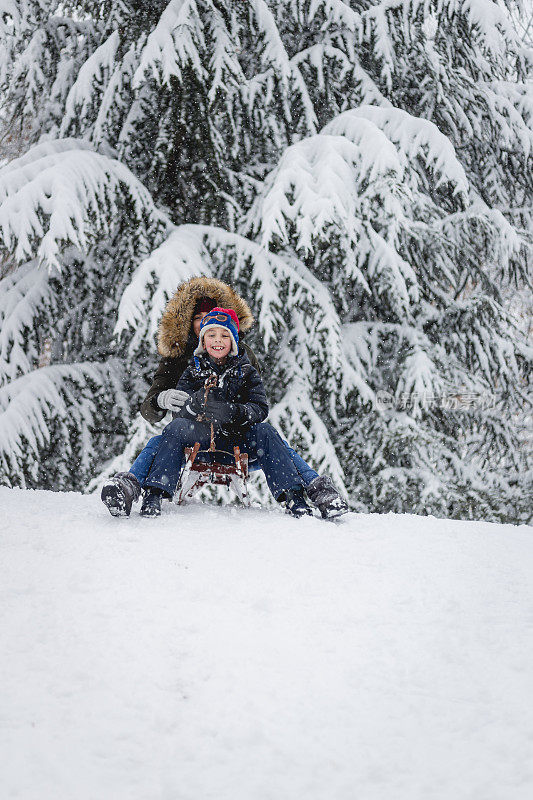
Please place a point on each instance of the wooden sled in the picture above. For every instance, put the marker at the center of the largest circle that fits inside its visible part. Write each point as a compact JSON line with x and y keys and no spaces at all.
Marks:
{"x":202,"y":467}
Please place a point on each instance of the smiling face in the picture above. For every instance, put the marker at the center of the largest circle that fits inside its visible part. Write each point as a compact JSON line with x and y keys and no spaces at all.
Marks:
{"x":217,"y":342}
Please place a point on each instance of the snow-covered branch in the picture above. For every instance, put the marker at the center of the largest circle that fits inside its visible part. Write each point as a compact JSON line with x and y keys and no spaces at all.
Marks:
{"x":63,"y":192}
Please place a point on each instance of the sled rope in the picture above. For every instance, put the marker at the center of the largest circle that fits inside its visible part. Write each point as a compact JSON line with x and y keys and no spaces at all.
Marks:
{"x":210,"y":383}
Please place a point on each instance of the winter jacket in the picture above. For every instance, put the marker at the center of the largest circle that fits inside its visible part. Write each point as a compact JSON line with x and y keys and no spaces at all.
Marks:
{"x":176,"y":342}
{"x":238,"y":382}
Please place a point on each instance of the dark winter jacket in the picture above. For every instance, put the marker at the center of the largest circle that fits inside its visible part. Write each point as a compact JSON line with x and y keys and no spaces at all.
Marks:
{"x":238,"y":383}
{"x":176,"y":342}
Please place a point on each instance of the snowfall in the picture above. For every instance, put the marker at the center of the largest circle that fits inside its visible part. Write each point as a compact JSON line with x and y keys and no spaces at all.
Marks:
{"x":239,"y":654}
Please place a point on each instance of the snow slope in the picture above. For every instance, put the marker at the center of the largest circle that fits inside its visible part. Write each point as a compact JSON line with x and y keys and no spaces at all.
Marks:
{"x":225,"y":654}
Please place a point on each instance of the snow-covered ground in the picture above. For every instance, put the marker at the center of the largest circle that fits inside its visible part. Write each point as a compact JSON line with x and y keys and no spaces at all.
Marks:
{"x":226,"y":654}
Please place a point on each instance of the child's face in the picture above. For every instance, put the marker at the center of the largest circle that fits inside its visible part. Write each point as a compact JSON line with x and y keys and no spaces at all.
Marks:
{"x":217,"y":342}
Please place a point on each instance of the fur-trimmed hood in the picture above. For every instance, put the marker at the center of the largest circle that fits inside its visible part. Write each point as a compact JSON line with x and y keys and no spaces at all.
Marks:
{"x":175,"y":324}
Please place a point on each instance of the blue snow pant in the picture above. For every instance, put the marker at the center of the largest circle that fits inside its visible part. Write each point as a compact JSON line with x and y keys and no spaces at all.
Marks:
{"x":143,"y":462}
{"x":262,"y":443}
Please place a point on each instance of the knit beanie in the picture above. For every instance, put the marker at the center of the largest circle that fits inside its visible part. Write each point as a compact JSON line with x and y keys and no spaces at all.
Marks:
{"x":222,"y":318}
{"x":203,"y":304}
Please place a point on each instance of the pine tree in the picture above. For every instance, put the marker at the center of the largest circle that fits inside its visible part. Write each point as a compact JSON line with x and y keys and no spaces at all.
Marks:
{"x":361,"y":171}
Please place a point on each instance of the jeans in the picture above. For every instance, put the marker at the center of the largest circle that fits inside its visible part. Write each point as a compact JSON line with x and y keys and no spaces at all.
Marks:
{"x":306,"y":472}
{"x":143,"y":462}
{"x":141,"y":466}
{"x":262,"y":443}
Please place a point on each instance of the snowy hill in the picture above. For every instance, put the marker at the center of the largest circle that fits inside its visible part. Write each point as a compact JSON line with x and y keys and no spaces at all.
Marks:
{"x":224,"y":654}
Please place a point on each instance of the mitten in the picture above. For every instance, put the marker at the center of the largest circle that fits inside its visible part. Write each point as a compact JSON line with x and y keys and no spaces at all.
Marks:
{"x":172,"y":399}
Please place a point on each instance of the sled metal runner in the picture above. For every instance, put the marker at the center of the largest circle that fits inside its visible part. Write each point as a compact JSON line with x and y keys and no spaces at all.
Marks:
{"x":202,"y":467}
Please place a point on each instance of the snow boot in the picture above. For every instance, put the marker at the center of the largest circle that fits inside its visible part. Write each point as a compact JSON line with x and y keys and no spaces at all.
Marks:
{"x":296,"y":504}
{"x":322,"y":493}
{"x":120,"y":492}
{"x":151,"y":506}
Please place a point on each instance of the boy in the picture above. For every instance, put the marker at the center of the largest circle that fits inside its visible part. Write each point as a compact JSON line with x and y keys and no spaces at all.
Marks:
{"x":236,"y":406}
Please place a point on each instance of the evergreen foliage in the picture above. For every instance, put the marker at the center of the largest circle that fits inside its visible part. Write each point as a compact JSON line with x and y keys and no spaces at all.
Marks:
{"x":360,"y":171}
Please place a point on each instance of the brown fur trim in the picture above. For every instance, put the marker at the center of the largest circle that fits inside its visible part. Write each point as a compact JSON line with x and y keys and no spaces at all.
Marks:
{"x":176,"y":321}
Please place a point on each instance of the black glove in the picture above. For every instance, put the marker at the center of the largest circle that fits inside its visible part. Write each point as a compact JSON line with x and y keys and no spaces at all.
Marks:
{"x":220,"y":411}
{"x":194,"y":406}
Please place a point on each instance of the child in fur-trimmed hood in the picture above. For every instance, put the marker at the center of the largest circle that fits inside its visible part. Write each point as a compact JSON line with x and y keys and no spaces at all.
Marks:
{"x":179,"y":329}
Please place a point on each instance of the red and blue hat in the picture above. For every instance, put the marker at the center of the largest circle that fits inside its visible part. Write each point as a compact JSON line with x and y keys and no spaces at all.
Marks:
{"x":222,"y":318}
